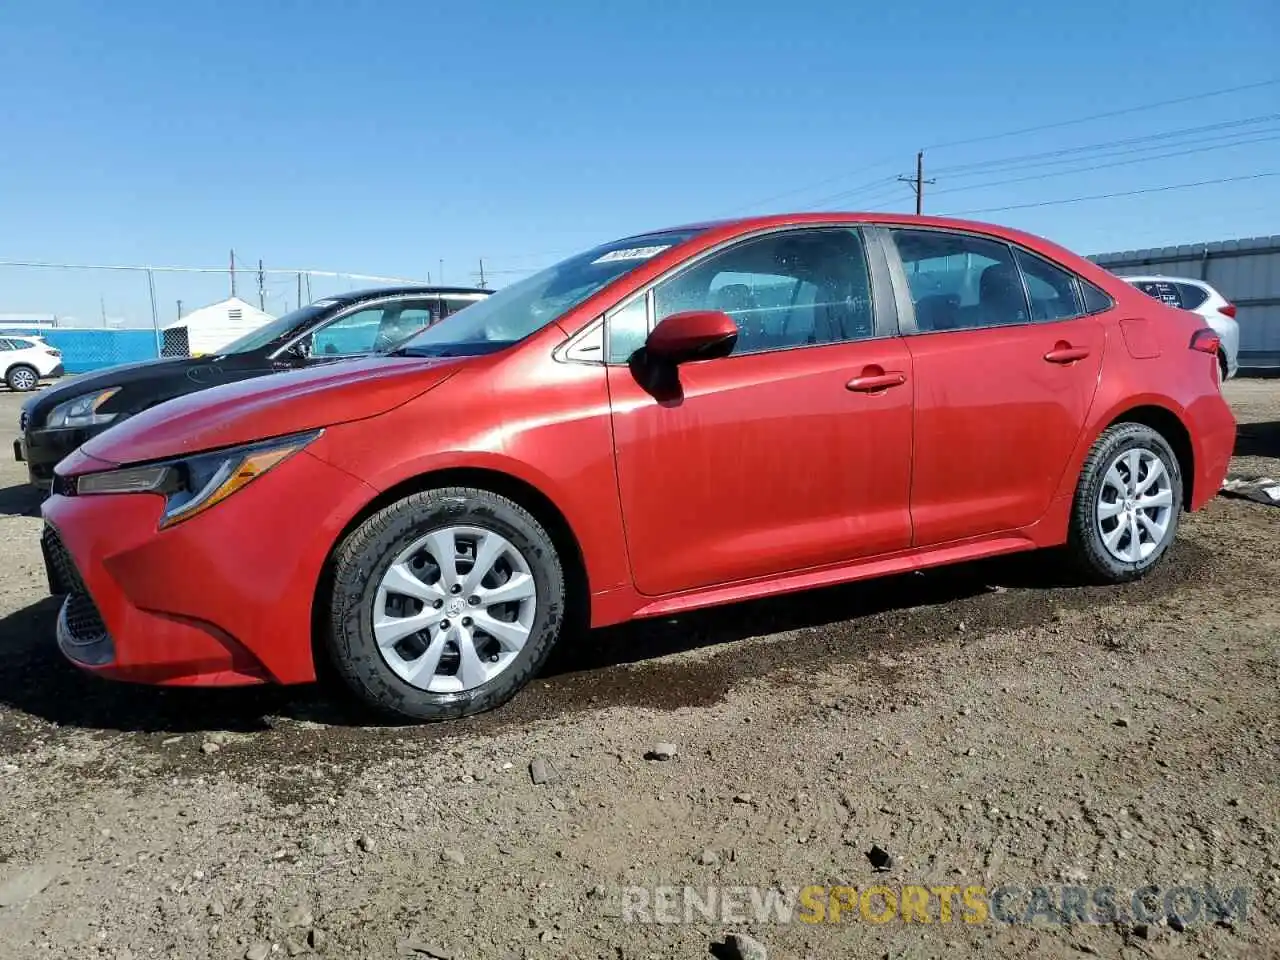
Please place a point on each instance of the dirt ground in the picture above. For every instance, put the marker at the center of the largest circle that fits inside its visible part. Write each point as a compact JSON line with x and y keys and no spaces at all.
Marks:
{"x":988,"y":726}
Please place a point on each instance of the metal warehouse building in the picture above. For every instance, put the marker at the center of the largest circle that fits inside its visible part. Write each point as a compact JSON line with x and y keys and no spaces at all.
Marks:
{"x":1246,"y":272}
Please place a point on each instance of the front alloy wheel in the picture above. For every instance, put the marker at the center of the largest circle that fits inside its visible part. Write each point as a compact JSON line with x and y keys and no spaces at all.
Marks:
{"x":454,"y":609}
{"x":444,"y":603}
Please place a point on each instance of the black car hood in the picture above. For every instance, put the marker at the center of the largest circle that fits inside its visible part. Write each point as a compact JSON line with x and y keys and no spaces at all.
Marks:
{"x":142,"y":384}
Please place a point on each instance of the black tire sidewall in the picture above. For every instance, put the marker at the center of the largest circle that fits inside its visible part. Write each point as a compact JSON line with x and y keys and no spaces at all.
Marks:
{"x":1085,"y":540}
{"x":367,"y":553}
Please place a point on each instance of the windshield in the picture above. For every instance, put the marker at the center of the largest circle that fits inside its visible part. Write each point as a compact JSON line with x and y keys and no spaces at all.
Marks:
{"x":527,"y":306}
{"x":280,"y":327}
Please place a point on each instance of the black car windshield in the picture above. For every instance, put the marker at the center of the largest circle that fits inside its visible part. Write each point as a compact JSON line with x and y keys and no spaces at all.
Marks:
{"x":528,"y":305}
{"x":279,"y":328}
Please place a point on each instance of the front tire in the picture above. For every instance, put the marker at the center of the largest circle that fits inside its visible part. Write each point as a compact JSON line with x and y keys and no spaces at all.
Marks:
{"x":1127,"y":504}
{"x":22,"y":378}
{"x":444,"y":604}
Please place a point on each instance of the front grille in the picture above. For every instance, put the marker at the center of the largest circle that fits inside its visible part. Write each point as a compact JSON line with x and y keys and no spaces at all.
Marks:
{"x":83,"y":620}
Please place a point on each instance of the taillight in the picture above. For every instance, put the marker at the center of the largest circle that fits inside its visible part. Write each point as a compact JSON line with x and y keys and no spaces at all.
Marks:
{"x":1228,"y":310}
{"x":1206,"y":341}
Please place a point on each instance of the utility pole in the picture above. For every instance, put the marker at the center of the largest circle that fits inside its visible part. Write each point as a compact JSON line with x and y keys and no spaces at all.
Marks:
{"x":233,"y":272}
{"x":299,"y":290}
{"x":308,"y":288}
{"x":262,"y":288}
{"x":917,"y":182}
{"x":155,"y":312}
{"x":102,"y":302}
{"x":442,"y":271}
{"x":179,"y":309}
{"x":482,"y":273}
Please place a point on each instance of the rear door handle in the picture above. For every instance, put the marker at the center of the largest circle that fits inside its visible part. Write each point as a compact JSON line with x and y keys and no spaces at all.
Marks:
{"x":874,"y":379}
{"x":1064,"y":352}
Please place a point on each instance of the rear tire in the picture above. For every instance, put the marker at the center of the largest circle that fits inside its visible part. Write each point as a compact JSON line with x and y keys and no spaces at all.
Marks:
{"x":1127,"y":504}
{"x":1222,"y":367}
{"x":452,"y":666}
{"x":22,"y":378}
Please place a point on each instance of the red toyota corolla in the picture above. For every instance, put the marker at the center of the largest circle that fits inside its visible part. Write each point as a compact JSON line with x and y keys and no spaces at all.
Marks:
{"x":675,"y":420}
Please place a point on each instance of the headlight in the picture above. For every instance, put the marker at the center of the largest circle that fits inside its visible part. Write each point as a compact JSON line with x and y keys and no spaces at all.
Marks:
{"x":82,"y":411}
{"x":191,"y":485}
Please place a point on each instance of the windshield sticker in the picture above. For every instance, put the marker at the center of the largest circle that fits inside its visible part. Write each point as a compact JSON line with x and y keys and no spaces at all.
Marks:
{"x":632,"y":253}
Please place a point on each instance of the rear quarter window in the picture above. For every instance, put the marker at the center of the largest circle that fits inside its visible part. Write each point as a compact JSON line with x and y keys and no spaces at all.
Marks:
{"x":1095,"y":300}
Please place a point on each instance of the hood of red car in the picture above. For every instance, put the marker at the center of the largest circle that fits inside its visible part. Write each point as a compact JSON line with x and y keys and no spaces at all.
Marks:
{"x":270,"y":406}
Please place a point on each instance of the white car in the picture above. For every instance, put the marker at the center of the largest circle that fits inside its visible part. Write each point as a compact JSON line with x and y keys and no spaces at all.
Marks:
{"x":1198,"y":297}
{"x":25,"y":361}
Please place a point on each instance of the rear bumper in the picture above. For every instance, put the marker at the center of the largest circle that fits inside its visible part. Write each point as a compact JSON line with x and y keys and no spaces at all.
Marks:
{"x":53,"y":374}
{"x":1213,"y":438}
{"x":223,"y":599}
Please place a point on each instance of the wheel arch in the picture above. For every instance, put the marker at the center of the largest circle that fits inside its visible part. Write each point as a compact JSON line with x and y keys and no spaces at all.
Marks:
{"x":1169,"y":425}
{"x":521,"y":491}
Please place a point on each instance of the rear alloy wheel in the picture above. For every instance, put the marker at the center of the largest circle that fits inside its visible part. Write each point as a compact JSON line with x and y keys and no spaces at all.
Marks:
{"x":445,"y":604}
{"x":22,"y":379}
{"x":1127,"y":504}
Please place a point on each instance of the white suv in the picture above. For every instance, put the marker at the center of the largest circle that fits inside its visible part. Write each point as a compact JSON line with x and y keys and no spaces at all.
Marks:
{"x":25,"y":361}
{"x":1198,"y":297}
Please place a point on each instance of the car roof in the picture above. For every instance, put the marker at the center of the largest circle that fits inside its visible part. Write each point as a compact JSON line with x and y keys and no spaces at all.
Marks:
{"x":355,"y":296}
{"x":774,"y":220}
{"x":1204,"y":285}
{"x":1165,"y":278}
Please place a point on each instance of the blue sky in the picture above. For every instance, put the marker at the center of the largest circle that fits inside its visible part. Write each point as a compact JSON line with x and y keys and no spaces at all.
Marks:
{"x":384,"y":137}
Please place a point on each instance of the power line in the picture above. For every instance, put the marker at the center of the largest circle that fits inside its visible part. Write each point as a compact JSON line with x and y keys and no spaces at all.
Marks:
{"x":1026,"y":159}
{"x":170,"y":269}
{"x":1011,"y":133}
{"x":1106,"y":166}
{"x":1111,"y":196}
{"x":1227,"y":141}
{"x":814,"y":186}
{"x":1106,"y":114}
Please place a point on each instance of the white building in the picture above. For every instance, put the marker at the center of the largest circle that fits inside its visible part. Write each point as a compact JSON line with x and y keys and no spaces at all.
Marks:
{"x":211,"y":328}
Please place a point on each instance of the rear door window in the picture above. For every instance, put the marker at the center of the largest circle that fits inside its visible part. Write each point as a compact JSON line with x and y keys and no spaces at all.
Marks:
{"x":453,"y":304}
{"x":959,"y":281}
{"x":1163,"y":290}
{"x":375,"y":328}
{"x":1192,"y":296}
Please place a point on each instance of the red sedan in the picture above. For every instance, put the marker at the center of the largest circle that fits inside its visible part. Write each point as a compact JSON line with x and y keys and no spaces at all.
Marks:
{"x":684,"y":418}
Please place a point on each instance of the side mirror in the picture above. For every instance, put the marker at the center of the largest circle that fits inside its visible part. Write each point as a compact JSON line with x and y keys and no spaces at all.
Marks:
{"x":692,"y":335}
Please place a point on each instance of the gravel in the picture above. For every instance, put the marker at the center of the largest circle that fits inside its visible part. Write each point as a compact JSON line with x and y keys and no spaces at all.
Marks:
{"x":810,"y":728}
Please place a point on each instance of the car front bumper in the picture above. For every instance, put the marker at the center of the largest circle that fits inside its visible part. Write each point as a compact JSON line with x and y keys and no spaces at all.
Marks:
{"x":42,"y":450}
{"x":222,"y":599}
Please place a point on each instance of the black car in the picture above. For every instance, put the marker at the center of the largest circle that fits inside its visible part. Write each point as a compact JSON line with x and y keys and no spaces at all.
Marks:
{"x":57,"y":420}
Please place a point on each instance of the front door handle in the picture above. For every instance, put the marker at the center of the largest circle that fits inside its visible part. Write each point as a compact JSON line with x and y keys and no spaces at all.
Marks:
{"x":1064,"y":352}
{"x":874,"y":379}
